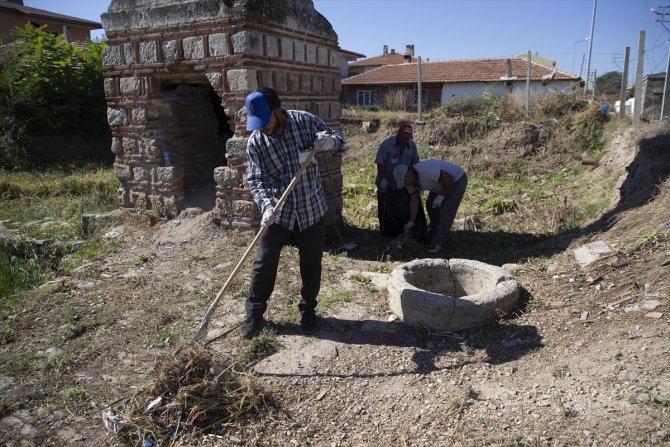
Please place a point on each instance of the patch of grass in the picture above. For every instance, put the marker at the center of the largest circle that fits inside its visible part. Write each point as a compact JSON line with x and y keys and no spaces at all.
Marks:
{"x":64,"y":365}
{"x":500,"y":206}
{"x":565,"y":411}
{"x":159,"y":340}
{"x":143,"y":259}
{"x":136,"y":281}
{"x":161,"y":337}
{"x":62,"y":194}
{"x":75,"y":397}
{"x":352,"y":112}
{"x":160,"y":210}
{"x":6,"y":336}
{"x":648,"y":399}
{"x":365,"y":283}
{"x":559,"y":371}
{"x":591,"y":209}
{"x":74,"y":330}
{"x":465,"y":349}
{"x":74,"y":394}
{"x":455,"y":401}
{"x":333,"y":299}
{"x":383,"y":267}
{"x":648,"y":240}
{"x":95,"y":248}
{"x":516,"y":441}
{"x":30,"y":362}
{"x":168,"y":316}
{"x":18,"y":274}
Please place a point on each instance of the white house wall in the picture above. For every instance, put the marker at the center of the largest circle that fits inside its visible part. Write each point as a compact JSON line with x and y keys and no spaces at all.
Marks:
{"x":477,"y":89}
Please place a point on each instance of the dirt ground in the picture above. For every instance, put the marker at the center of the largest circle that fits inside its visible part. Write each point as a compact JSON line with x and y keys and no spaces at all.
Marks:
{"x":583,"y":361}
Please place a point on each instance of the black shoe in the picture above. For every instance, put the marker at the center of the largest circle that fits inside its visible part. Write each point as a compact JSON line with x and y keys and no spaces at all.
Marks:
{"x":309,"y":323}
{"x":252,"y":327}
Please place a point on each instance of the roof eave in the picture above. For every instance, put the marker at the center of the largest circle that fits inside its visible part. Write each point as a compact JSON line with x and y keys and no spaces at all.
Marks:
{"x":44,"y":15}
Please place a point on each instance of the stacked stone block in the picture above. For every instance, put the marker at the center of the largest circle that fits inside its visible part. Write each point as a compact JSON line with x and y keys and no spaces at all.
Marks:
{"x":234,"y":51}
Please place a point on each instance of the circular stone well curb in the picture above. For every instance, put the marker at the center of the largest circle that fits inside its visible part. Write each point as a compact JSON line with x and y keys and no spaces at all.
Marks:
{"x":450,"y":295}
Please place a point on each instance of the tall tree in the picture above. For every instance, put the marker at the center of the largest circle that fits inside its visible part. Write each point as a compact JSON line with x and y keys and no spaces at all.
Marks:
{"x":610,"y":81}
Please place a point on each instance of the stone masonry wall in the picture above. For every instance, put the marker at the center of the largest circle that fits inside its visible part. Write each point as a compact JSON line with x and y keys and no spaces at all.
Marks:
{"x":234,"y":49}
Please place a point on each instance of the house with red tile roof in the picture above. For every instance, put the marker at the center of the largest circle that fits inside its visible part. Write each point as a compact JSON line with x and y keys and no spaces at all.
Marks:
{"x":13,"y":13}
{"x":443,"y":81}
{"x":346,"y":58}
{"x":386,"y":58}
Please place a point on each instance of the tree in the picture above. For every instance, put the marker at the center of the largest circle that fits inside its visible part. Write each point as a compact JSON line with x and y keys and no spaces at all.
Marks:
{"x":610,"y":81}
{"x":48,"y":87}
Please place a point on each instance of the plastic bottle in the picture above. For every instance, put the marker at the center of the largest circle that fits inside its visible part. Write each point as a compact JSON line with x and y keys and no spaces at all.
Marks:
{"x":166,"y":159}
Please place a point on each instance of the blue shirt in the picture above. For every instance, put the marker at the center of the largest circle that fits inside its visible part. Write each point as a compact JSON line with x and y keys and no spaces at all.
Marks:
{"x":389,"y":156}
{"x":274,"y":161}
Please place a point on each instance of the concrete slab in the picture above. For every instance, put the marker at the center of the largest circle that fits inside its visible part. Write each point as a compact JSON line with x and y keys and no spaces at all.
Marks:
{"x":590,"y":253}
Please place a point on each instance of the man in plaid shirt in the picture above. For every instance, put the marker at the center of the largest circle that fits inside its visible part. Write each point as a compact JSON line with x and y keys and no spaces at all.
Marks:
{"x":280,"y":142}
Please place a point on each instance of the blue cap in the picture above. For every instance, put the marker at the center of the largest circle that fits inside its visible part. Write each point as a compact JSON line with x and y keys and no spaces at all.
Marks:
{"x":260,"y":104}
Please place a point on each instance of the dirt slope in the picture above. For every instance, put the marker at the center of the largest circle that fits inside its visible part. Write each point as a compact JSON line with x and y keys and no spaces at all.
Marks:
{"x":581,"y":363}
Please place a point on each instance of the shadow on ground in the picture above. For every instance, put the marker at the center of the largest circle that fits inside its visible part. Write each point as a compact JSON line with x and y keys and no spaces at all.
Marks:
{"x":501,"y":343}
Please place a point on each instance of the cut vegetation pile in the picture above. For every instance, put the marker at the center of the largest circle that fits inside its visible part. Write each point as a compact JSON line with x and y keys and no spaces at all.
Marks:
{"x":196,"y":393}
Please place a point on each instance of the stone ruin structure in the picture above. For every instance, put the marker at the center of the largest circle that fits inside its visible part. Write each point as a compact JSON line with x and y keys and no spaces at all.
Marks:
{"x":176,"y":76}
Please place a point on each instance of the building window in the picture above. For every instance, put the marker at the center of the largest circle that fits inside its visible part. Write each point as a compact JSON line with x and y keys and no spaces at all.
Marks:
{"x":365,"y":98}
{"x":412,"y":98}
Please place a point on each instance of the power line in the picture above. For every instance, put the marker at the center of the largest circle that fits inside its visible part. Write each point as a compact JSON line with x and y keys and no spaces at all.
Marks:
{"x":662,"y":16}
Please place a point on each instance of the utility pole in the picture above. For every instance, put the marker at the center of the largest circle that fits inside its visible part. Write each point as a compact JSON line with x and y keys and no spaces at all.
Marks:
{"x":593,"y":88}
{"x":664,"y":102}
{"x":661,"y":14}
{"x":419,"y":96}
{"x":527,"y":114}
{"x":624,"y":84}
{"x":637,"y":109}
{"x":588,"y":65}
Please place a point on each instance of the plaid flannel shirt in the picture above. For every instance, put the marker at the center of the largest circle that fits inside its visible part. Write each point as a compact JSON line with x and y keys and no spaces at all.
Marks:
{"x":273,"y":162}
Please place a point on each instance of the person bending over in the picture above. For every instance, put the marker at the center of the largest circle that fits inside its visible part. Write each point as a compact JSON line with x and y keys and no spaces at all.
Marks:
{"x":446,"y":183}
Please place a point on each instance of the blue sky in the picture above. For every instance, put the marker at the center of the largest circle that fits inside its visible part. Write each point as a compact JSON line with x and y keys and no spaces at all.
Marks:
{"x":471,"y":29}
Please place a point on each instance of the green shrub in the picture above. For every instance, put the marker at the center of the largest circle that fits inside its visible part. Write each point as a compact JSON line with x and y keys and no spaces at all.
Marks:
{"x":49,"y":88}
{"x":586,"y":129}
{"x":557,"y":105}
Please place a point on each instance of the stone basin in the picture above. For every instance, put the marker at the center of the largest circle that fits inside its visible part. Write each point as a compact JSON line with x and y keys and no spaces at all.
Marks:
{"x":450,"y":295}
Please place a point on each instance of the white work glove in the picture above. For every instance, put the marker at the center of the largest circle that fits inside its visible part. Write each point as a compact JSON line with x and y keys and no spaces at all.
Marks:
{"x":437,"y":201}
{"x":302,"y":156}
{"x":268,"y":218}
{"x":383,"y":185}
{"x":408,"y":228}
{"x":324,"y":142}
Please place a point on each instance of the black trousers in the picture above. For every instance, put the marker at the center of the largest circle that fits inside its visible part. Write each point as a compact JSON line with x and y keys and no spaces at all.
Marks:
{"x":310,"y":244}
{"x":393,"y":213}
{"x":442,"y":218}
